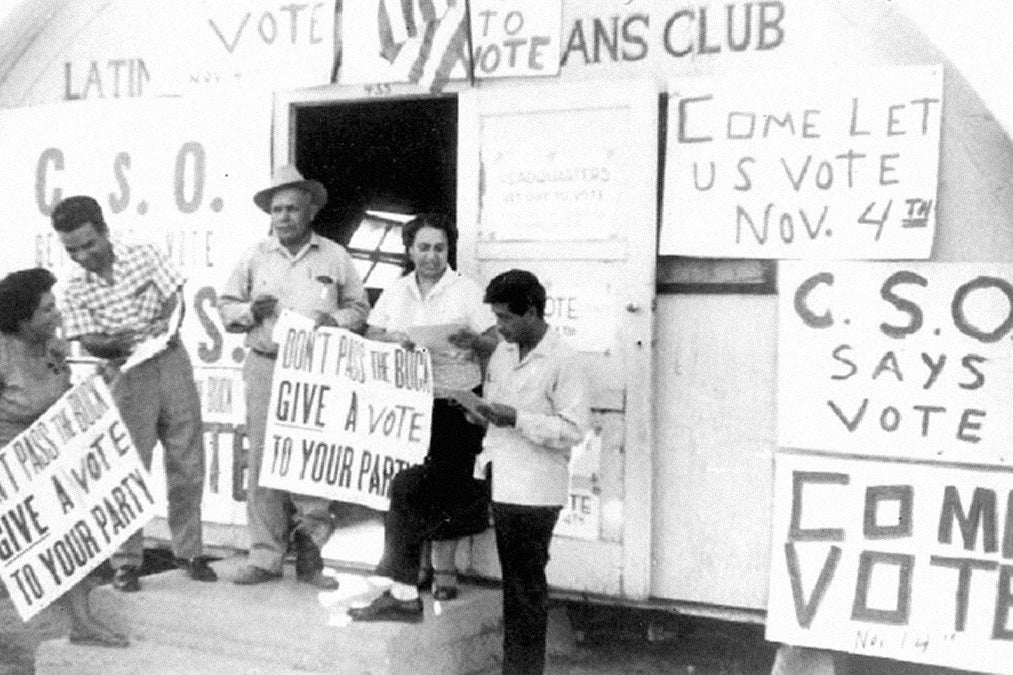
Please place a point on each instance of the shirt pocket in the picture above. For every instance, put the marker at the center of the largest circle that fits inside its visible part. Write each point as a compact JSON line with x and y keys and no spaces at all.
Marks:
{"x":326,"y":292}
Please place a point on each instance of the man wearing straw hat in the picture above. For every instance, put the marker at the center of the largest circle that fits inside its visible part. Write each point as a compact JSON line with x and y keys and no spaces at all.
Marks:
{"x":296,"y":269}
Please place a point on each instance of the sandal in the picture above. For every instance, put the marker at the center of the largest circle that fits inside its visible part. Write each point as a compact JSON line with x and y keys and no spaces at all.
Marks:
{"x":444,"y":593}
{"x":445,"y":585}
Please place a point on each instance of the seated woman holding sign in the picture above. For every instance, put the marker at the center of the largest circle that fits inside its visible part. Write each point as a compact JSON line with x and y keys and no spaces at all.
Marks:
{"x":33,"y":376}
{"x":434,"y":307}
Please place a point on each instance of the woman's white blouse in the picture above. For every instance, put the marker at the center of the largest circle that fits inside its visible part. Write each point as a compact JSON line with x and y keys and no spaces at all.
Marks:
{"x":455,"y":302}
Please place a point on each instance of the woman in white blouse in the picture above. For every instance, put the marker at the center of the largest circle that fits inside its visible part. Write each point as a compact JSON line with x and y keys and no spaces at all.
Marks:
{"x":435,"y":307}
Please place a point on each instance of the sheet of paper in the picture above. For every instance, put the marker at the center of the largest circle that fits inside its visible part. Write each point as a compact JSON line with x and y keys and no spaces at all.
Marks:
{"x":156,"y":344}
{"x":434,"y":338}
{"x":468,"y":400}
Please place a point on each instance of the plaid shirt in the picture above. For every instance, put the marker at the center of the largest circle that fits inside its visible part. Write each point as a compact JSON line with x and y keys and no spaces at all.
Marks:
{"x":142,"y":281}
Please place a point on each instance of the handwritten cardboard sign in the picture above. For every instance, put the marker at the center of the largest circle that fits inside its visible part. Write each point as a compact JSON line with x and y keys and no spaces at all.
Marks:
{"x":346,"y":413}
{"x":906,"y":561}
{"x":842,"y":166}
{"x":905,"y":360}
{"x":583,"y":312}
{"x":185,"y":188}
{"x":72,"y":489}
{"x":516,"y":38}
{"x":581,"y":516}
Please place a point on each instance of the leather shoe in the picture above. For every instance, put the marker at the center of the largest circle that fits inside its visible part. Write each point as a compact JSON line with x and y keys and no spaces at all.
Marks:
{"x":388,"y":608}
{"x":307,"y":555}
{"x":444,"y":593}
{"x":197,"y":569}
{"x":127,"y":579}
{"x":319,"y":580}
{"x":250,"y":574}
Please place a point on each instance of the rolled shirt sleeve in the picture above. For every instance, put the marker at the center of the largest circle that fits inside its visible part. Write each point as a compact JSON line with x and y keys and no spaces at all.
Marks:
{"x":235,"y":299}
{"x":569,"y":424}
{"x":164,"y":274}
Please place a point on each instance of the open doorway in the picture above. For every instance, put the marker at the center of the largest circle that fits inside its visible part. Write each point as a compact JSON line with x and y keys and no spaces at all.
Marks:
{"x":382,"y":162}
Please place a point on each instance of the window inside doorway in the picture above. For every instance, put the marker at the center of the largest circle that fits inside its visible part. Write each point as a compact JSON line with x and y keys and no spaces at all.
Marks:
{"x":377,"y":248}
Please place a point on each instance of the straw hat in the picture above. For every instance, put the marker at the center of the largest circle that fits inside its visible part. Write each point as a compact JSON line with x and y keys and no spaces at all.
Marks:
{"x":287,"y":176}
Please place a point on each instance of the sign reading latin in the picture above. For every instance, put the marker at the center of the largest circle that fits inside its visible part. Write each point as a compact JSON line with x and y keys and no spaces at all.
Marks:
{"x":840,"y":167}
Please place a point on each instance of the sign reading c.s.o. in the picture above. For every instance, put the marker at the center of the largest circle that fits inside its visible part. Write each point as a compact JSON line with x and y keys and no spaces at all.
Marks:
{"x":896,"y":359}
{"x":179,"y":173}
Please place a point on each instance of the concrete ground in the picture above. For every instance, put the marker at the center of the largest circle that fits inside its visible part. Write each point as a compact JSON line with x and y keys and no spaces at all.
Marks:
{"x":599,"y":640}
{"x":704,"y":648}
{"x":603,"y":640}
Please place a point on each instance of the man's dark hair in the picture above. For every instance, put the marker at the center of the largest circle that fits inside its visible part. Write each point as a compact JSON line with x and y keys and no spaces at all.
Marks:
{"x":518,"y":290}
{"x":437,"y":221}
{"x":20,"y":295}
{"x":73,"y":212}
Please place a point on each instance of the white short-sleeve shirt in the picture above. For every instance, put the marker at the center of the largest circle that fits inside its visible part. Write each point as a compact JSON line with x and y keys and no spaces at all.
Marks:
{"x":455,"y":302}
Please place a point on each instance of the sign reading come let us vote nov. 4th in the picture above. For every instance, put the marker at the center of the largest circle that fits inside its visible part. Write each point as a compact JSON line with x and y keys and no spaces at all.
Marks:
{"x":346,"y":413}
{"x":72,"y":490}
{"x":840,"y":166}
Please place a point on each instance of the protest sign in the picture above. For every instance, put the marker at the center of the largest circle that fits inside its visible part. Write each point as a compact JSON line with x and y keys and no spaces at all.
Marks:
{"x":905,"y":360}
{"x":72,"y":489}
{"x":185,"y":189}
{"x":907,"y":561}
{"x":346,"y":413}
{"x":844,"y":166}
{"x":559,"y":184}
{"x":581,"y":516}
{"x":516,"y":38}
{"x":583,"y":311}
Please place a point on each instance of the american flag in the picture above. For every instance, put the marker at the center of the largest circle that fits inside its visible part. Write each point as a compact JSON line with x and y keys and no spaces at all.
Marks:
{"x":443,"y":29}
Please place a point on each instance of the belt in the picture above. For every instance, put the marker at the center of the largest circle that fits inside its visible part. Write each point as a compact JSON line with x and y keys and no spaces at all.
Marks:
{"x":267,"y":355}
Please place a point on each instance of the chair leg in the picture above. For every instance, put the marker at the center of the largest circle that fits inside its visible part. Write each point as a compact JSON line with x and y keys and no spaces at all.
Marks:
{"x":425,"y":567}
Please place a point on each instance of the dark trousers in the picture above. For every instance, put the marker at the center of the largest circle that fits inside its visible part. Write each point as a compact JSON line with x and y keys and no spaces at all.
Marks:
{"x":523,"y":534}
{"x":405,"y":526}
{"x":436,"y":500}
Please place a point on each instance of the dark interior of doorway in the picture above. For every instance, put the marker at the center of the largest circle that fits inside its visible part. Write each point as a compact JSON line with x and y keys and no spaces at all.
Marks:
{"x":396,"y":155}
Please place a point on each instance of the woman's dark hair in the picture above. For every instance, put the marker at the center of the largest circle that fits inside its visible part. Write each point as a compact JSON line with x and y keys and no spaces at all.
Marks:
{"x":20,"y":295}
{"x":437,"y":221}
{"x":518,"y":290}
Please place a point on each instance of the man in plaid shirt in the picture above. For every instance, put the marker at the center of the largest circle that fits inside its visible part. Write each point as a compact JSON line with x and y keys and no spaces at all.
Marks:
{"x":126,"y":293}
